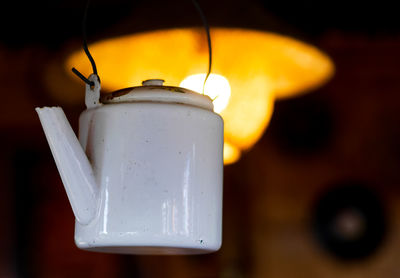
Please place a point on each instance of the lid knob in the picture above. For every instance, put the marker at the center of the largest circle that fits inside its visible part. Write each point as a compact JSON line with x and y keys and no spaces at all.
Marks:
{"x":153,"y":82}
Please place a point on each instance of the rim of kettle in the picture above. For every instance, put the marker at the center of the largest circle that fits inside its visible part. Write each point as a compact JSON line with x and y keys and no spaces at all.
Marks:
{"x":157,"y":93}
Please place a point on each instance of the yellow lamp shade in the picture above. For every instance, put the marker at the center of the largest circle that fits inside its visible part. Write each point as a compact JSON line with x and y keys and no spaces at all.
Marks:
{"x":258,"y":66}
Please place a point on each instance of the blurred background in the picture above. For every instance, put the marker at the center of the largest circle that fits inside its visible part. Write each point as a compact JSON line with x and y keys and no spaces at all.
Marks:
{"x":317,"y":196}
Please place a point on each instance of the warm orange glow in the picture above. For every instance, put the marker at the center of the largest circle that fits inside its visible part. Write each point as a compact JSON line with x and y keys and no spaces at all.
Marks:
{"x":231,"y":153}
{"x":259,"y":66}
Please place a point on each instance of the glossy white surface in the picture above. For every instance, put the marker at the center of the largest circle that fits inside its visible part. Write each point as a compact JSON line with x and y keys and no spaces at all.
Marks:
{"x":74,"y":168}
{"x":158,"y":173}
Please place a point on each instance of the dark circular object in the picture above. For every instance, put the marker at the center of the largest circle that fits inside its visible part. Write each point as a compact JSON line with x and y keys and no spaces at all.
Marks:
{"x":349,"y":221}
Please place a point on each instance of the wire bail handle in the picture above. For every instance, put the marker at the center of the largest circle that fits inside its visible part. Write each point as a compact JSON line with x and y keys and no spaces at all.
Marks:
{"x":89,"y":81}
{"x":93,"y":82}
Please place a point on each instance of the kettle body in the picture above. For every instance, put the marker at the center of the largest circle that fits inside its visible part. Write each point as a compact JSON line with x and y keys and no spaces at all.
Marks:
{"x":156,"y":158}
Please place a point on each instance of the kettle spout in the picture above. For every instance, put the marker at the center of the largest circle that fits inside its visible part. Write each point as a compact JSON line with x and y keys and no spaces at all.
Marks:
{"x":73,"y":165}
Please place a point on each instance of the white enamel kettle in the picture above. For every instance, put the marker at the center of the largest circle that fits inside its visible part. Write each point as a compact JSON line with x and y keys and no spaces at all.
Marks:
{"x":145,"y":176}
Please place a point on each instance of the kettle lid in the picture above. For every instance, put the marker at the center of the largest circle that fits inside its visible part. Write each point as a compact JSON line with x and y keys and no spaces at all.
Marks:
{"x":153,"y":90}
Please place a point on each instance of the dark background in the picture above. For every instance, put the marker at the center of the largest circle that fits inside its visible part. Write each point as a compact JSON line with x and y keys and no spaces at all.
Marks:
{"x":329,"y":157}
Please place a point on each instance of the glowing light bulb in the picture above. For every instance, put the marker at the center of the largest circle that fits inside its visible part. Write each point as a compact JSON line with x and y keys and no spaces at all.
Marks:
{"x":217,"y":88}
